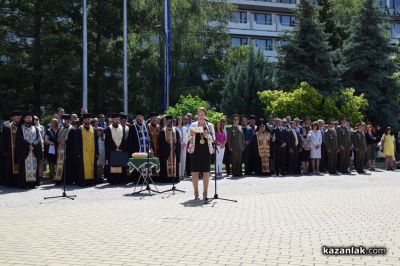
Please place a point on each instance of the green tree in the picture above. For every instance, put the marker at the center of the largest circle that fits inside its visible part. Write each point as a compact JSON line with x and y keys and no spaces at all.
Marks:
{"x":41,"y":52}
{"x":190,"y":104}
{"x":344,"y":11}
{"x":305,"y":100}
{"x":242,"y":83}
{"x":327,"y":18}
{"x":367,"y":64}
{"x":307,"y":55}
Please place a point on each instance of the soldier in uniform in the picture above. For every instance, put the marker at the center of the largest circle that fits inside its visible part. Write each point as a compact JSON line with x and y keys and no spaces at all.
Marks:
{"x":344,"y":143}
{"x":331,"y":145}
{"x":360,"y":147}
{"x":236,"y":145}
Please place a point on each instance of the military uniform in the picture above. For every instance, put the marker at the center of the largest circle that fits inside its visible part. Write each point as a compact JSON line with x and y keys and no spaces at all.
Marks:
{"x":331,"y":144}
{"x":344,"y":143}
{"x":236,"y":146}
{"x":360,"y":148}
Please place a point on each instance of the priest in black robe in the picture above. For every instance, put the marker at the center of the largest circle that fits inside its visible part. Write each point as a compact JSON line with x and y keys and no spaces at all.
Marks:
{"x":170,"y":152}
{"x":8,"y":135}
{"x":115,"y":142}
{"x":28,"y":152}
{"x":7,"y":120}
{"x":88,"y":152}
{"x":66,"y":151}
{"x":139,"y":139}
{"x":259,"y":150}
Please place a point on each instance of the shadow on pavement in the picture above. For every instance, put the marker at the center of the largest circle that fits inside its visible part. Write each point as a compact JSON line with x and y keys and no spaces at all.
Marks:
{"x":10,"y":190}
{"x":193,"y":203}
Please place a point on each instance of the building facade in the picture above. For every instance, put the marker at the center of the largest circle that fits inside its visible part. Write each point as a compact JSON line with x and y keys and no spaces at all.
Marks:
{"x":261,"y":23}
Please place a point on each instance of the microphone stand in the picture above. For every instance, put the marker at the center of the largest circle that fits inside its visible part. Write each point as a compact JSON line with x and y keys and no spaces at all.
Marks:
{"x":64,"y":194}
{"x":216,"y":197}
{"x":174,"y":171}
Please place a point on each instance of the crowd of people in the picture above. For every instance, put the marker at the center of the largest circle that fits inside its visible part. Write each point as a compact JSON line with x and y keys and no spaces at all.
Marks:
{"x":82,"y":149}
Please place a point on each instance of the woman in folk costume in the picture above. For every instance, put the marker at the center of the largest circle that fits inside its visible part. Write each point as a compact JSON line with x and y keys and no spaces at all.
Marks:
{"x":260,"y":150}
{"x":88,"y":152}
{"x":28,"y":152}
{"x":200,"y":148}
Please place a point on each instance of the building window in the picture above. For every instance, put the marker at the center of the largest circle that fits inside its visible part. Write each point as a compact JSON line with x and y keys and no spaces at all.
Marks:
{"x":263,"y":18}
{"x":287,"y":20}
{"x":239,"y":17}
{"x":282,"y":42}
{"x":236,"y":41}
{"x":264,"y":44}
{"x":287,"y":1}
{"x":395,"y":30}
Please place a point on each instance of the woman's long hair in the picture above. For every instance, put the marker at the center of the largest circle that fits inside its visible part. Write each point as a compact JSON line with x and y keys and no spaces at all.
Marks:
{"x":221,"y":126}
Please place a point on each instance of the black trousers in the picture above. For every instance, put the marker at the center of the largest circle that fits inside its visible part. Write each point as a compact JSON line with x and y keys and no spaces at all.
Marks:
{"x":332,"y":161}
{"x":293,"y":161}
{"x":281,"y":160}
{"x":323,"y":163}
{"x":246,"y":160}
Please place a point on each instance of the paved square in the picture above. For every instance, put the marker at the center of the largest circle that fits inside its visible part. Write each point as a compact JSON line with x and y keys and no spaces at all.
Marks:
{"x":277,"y":221}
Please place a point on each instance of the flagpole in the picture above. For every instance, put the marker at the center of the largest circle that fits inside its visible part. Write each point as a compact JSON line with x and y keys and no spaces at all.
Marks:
{"x":167,"y":72}
{"x":125,"y":52}
{"x":84,"y":66}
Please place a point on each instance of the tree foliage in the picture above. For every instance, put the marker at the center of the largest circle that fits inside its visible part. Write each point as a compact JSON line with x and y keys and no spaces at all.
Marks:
{"x":367,"y":64}
{"x":307,"y":55}
{"x":326,"y":17}
{"x":190,"y":104}
{"x":243,"y":81}
{"x":305,"y":100}
{"x":41,"y":52}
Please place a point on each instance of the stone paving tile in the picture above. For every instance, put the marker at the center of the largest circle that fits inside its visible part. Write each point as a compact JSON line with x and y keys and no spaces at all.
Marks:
{"x":277,"y":221}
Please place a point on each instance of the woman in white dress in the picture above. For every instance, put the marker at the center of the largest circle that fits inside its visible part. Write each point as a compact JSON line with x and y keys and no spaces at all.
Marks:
{"x":315,"y":147}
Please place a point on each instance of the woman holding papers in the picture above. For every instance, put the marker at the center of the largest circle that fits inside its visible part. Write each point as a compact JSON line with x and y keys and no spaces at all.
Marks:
{"x":200,"y":148}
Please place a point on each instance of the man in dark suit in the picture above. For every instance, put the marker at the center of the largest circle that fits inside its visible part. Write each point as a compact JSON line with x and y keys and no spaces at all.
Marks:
{"x":279,"y":136}
{"x":294,"y":145}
